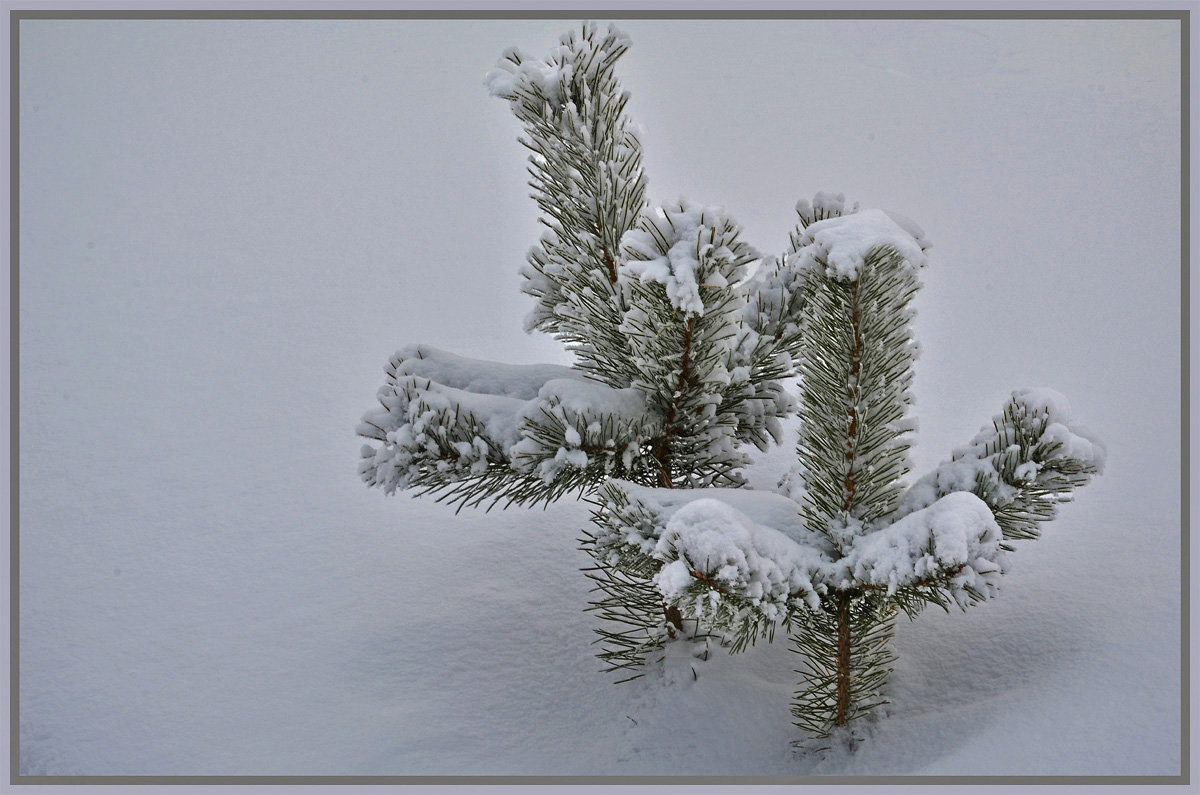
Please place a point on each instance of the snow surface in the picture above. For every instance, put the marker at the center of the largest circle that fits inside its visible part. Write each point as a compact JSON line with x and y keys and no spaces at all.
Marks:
{"x":228,"y":227}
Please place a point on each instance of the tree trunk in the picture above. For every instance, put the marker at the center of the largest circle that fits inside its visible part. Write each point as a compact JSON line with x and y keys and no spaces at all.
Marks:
{"x":843,"y":658}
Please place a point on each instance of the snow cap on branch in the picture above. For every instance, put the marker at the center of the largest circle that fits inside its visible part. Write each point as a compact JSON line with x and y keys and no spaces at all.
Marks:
{"x":476,"y":375}
{"x":839,"y":246}
{"x":517,"y":74}
{"x":956,"y":534}
{"x":708,"y":538}
{"x":824,"y":204}
{"x":751,"y":545}
{"x":754,"y":546}
{"x":686,"y":247}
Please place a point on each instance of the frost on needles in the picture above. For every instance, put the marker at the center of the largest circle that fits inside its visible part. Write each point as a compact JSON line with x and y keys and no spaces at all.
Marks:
{"x":684,"y":337}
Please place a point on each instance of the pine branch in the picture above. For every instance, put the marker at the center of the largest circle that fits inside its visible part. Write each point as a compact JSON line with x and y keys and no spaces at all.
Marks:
{"x":1030,"y":460}
{"x":634,"y":625}
{"x":852,"y":449}
{"x":586,"y":174}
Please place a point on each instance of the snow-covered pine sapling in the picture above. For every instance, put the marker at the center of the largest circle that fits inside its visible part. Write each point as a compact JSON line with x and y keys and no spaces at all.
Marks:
{"x":680,"y":340}
{"x":682,"y":335}
{"x":848,"y":545}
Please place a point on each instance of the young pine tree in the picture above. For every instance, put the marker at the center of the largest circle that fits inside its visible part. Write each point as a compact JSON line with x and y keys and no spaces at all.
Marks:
{"x":681,"y":340}
{"x":683,"y":336}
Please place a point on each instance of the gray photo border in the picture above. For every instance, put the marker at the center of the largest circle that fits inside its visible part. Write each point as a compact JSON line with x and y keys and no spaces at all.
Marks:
{"x":1176,"y":11}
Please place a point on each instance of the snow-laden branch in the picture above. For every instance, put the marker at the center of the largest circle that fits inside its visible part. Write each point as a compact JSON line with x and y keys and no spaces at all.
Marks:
{"x":752,"y":549}
{"x":576,"y":58}
{"x":722,"y":554}
{"x":1032,"y":457}
{"x":444,"y":418}
{"x":839,"y":245}
{"x":586,"y":170}
{"x":749,"y":544}
{"x":955,"y":542}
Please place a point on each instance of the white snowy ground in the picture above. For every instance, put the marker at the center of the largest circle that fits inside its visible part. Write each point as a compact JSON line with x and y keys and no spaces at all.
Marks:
{"x":226,"y":229}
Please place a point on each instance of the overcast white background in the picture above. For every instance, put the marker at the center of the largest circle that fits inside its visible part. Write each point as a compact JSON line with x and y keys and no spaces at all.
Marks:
{"x":227,"y":227}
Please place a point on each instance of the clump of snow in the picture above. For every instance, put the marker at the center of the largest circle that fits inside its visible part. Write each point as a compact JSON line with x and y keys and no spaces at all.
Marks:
{"x":958,"y":531}
{"x":518,"y":75}
{"x":840,"y":246}
{"x":686,"y":248}
{"x":824,"y":204}
{"x":715,"y":540}
{"x":592,"y":399}
{"x":476,"y":375}
{"x":957,"y":474}
{"x":912,"y":228}
{"x":762,"y":507}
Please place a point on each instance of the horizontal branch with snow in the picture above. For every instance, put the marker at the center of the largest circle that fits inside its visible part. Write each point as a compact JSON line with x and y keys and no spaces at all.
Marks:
{"x":1031,"y":458}
{"x":723,"y":552}
{"x":445,"y":419}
